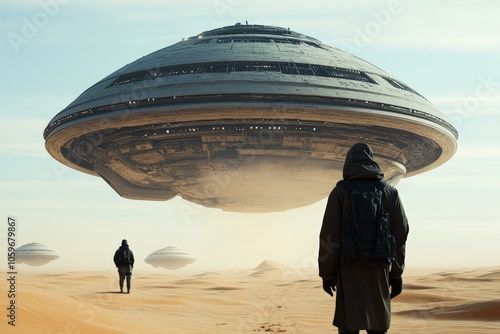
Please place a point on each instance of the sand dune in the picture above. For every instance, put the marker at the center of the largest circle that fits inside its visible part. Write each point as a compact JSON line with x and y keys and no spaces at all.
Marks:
{"x":486,"y":310}
{"x":271,"y":265}
{"x":270,"y":298}
{"x":473,"y":311}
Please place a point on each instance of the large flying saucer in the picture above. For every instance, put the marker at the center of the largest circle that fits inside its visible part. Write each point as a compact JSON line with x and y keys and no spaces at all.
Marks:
{"x":246,"y":118}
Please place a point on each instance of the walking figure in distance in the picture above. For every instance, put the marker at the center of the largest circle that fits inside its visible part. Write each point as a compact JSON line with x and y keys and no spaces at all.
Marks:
{"x":124,"y":261}
{"x":362,"y":245}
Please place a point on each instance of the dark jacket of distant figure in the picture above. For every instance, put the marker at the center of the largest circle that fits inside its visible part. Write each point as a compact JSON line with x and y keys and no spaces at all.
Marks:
{"x":124,"y":259}
{"x":362,"y":297}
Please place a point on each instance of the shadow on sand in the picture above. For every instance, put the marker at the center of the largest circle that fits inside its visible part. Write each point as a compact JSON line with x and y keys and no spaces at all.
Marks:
{"x":106,"y":292}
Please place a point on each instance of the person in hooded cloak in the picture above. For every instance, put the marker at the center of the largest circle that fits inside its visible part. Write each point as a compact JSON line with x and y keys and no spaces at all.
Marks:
{"x":364,"y":292}
{"x":124,"y":261}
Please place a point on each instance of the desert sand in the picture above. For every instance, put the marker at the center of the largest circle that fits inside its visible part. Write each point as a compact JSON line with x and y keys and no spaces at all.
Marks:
{"x":270,"y":298}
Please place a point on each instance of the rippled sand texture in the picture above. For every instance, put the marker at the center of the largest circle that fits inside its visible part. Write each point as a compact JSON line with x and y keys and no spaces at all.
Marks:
{"x":270,"y":298}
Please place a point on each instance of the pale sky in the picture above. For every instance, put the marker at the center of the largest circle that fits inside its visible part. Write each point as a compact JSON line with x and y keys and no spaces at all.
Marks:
{"x":52,"y":50}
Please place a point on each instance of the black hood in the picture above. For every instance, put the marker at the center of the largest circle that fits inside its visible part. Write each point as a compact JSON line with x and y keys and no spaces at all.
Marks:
{"x":124,"y":244}
{"x":359,"y":163}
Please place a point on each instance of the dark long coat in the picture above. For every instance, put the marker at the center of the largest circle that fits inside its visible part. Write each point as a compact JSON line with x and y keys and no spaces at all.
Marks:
{"x":362,"y":297}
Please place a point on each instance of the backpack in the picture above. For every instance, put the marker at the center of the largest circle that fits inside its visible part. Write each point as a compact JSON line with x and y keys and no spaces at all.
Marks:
{"x":366,"y":235}
{"x":124,"y":257}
